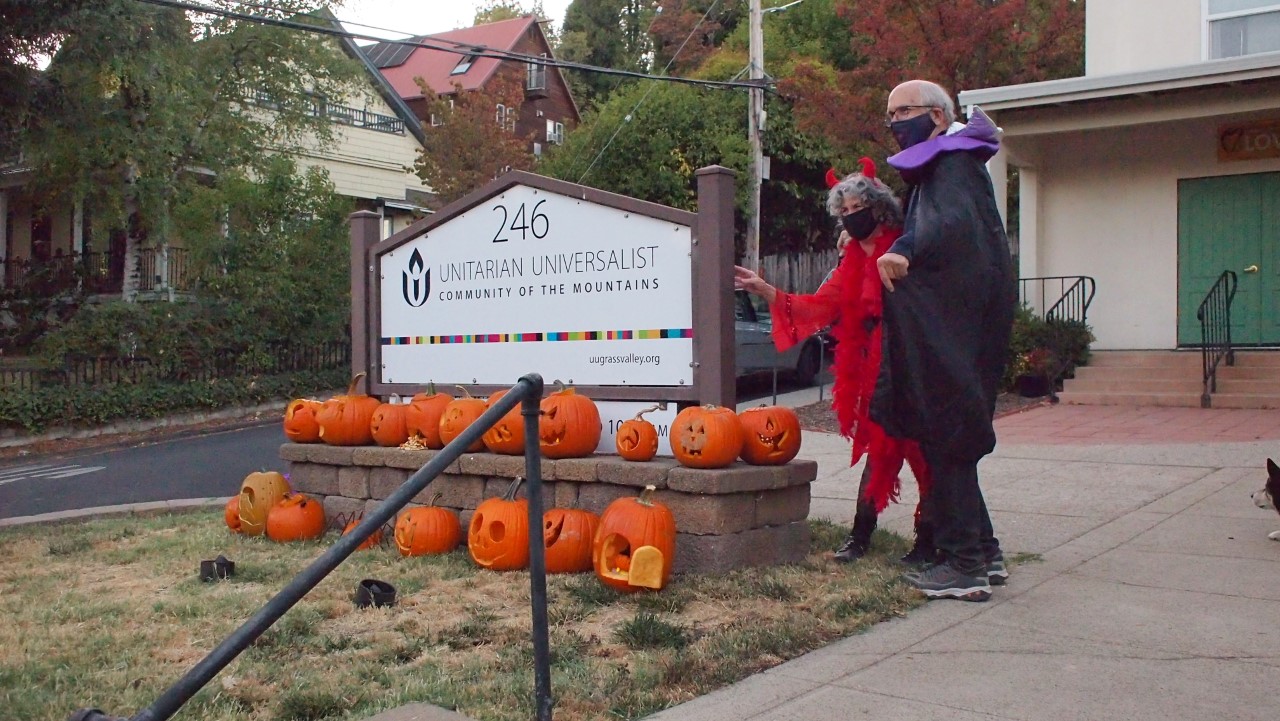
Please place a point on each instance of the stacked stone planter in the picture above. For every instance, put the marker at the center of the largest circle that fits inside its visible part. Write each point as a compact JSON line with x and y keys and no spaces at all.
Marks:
{"x":727,"y":518}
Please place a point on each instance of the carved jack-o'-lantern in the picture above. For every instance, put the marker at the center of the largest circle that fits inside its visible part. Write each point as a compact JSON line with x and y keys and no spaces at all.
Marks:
{"x":567,"y":534}
{"x":427,"y":530}
{"x":422,"y":418}
{"x":569,"y":426}
{"x":298,"y":517}
{"x":771,"y":435}
{"x":498,"y":537}
{"x":507,"y":435}
{"x":300,"y":425}
{"x":344,"y":420}
{"x":460,"y":413}
{"x":374,"y":538}
{"x":637,"y":439}
{"x":259,"y":493}
{"x":387,"y":426}
{"x":635,"y":545}
{"x":706,"y":437}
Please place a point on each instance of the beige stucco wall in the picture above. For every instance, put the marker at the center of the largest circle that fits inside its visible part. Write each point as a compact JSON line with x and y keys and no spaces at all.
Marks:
{"x":1108,"y":209}
{"x":1123,"y":36}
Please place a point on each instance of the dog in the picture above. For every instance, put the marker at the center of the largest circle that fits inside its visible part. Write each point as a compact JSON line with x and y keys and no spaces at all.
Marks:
{"x":1269,"y":496}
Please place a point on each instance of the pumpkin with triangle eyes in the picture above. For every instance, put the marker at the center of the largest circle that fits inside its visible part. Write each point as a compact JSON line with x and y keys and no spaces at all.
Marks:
{"x":569,"y":426}
{"x":706,"y":437}
{"x":771,"y":435}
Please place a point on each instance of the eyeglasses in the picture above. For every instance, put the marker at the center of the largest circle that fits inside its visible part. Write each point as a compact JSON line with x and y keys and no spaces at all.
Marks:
{"x":899,"y":113}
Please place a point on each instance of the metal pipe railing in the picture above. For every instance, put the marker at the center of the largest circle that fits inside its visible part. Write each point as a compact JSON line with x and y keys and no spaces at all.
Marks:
{"x":527,"y":392}
{"x":1214,"y":315}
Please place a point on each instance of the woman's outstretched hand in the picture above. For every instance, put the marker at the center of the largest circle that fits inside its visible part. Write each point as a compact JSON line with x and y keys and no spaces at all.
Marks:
{"x":748,"y":280}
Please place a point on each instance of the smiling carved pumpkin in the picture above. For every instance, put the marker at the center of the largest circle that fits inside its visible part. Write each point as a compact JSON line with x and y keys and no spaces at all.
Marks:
{"x":374,"y":538}
{"x":300,"y":424}
{"x":567,"y":534}
{"x":635,"y":545}
{"x":569,"y":426}
{"x":706,"y":437}
{"x":771,"y":435}
{"x":344,"y":420}
{"x":507,"y":435}
{"x":637,"y":439}
{"x":427,"y":530}
{"x":498,"y":537}
{"x":387,"y":426}
{"x":460,"y":413}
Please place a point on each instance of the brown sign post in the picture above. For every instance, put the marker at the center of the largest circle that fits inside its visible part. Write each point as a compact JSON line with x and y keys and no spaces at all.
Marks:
{"x":711,"y":375}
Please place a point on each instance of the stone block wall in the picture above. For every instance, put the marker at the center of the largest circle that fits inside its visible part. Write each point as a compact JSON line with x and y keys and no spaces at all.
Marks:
{"x":726,"y":518}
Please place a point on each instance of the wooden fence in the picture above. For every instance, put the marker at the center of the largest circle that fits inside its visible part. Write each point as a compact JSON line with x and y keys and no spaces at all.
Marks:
{"x":798,"y":272}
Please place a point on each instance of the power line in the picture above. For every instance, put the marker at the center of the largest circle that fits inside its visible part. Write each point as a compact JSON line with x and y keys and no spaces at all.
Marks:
{"x":457,"y":49}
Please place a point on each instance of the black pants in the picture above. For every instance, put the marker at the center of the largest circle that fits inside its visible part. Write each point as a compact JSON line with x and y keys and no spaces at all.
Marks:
{"x":962,"y":526}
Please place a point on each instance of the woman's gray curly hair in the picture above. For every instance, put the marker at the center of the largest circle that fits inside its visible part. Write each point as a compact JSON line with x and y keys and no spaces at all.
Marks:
{"x":872,"y":193}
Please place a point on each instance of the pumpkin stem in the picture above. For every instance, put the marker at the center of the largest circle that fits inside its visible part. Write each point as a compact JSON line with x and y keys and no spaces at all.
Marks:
{"x":465,"y":392}
{"x":351,"y":389}
{"x":435,"y":498}
{"x":431,"y":388}
{"x":510,"y":495}
{"x":646,"y":496}
{"x":560,"y":386}
{"x":650,"y":409}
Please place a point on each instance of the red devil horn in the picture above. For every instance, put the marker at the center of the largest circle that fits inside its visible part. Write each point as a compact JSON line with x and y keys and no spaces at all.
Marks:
{"x":868,"y":167}
{"x":832,"y":178}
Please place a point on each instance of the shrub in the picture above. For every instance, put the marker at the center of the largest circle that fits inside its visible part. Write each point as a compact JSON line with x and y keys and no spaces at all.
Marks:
{"x":1066,"y":340}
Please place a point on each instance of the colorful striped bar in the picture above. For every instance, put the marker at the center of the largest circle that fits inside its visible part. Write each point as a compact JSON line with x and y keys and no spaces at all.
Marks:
{"x":648,"y":334}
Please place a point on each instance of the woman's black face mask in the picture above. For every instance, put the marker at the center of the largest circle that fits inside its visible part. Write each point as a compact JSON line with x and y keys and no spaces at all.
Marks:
{"x":860,"y":223}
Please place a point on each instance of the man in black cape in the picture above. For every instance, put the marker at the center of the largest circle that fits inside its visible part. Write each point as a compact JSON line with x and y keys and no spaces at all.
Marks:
{"x":947,"y":321}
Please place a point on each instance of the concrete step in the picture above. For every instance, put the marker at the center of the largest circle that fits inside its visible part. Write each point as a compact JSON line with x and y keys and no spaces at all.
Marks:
{"x":1268,"y":386}
{"x":1145,"y":359}
{"x":1258,"y":359}
{"x":1248,"y":373}
{"x":1245,"y":400}
{"x":1092,"y":372}
{"x":1093,"y":398}
{"x":1110,"y":384}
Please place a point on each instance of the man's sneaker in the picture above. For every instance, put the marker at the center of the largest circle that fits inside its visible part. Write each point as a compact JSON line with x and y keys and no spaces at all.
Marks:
{"x":997,"y":574}
{"x":944,"y":581}
{"x":852,"y":549}
{"x":920,"y":556}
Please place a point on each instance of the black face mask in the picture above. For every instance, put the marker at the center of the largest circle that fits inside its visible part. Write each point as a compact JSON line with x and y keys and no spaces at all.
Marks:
{"x":912,"y":131}
{"x":860,"y":224}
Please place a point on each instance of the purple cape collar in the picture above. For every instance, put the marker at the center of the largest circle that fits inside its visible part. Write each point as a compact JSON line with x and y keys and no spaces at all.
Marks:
{"x":980,"y":136}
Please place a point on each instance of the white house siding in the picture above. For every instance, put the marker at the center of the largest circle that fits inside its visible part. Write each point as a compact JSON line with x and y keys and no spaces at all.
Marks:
{"x":1131,"y":35}
{"x":1106,"y":206}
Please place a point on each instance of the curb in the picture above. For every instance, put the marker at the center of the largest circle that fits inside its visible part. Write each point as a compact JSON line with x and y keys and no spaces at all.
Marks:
{"x":176,"y":422}
{"x":152,"y":508}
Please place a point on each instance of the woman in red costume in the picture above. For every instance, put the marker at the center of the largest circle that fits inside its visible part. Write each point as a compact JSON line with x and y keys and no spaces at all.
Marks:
{"x":872,"y":219}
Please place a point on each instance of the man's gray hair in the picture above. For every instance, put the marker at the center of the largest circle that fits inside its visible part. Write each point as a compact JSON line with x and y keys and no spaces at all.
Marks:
{"x":872,"y":193}
{"x":933,"y":95}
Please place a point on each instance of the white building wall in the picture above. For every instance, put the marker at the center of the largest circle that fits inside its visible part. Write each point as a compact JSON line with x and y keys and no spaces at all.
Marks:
{"x":1109,"y":209}
{"x":1123,"y":36}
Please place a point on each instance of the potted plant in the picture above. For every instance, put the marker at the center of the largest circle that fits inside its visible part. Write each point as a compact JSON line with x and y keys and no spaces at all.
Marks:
{"x":1033,"y":372}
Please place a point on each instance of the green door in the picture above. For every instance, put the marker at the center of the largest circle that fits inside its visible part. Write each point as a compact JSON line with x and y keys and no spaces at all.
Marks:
{"x":1231,"y":223}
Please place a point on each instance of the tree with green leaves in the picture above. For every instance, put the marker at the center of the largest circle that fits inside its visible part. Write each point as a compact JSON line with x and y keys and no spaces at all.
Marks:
{"x":605,"y":33}
{"x":142,"y":102}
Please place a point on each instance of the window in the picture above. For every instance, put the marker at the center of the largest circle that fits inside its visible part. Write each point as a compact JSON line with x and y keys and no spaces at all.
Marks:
{"x":555,"y":132}
{"x":436,"y":120}
{"x":463,"y":65}
{"x":1242,"y":27}
{"x":536,"y":76}
{"x":506,"y":117}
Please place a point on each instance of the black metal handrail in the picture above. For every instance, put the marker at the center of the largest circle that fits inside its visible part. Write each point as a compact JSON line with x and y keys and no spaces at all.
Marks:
{"x":1214,"y":315}
{"x":528,"y":393}
{"x":1074,"y":295}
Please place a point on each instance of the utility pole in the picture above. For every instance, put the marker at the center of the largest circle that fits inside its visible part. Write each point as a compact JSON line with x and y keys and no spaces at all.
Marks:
{"x":755,"y":125}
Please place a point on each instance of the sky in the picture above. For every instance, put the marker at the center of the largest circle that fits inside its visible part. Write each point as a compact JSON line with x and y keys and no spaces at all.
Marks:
{"x":424,"y":17}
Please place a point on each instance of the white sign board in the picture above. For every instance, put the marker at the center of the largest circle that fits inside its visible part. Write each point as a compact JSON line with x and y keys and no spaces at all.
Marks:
{"x":534,"y":281}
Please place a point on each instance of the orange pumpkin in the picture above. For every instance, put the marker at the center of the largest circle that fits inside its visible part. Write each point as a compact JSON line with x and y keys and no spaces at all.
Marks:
{"x":507,"y":435}
{"x":259,"y":493}
{"x":387,"y":426}
{"x":427,"y":530}
{"x":460,"y":413}
{"x":374,"y":538}
{"x":706,"y":437}
{"x":635,"y":545}
{"x":569,"y":426}
{"x":771,"y":435}
{"x":637,"y":439}
{"x":344,"y":420}
{"x":422,"y":417}
{"x":567,"y":534}
{"x":298,"y":517}
{"x":232,"y":514}
{"x":300,"y":424}
{"x":498,"y":537}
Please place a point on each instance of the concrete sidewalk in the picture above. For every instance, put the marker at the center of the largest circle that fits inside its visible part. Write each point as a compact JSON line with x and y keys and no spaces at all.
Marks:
{"x":1157,"y":596}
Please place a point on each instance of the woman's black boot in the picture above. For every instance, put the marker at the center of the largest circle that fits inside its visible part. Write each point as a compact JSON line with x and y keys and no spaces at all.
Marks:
{"x":858,"y":541}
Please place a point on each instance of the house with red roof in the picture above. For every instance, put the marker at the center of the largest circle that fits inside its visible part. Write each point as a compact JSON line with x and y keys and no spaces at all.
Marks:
{"x":464,"y":58}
